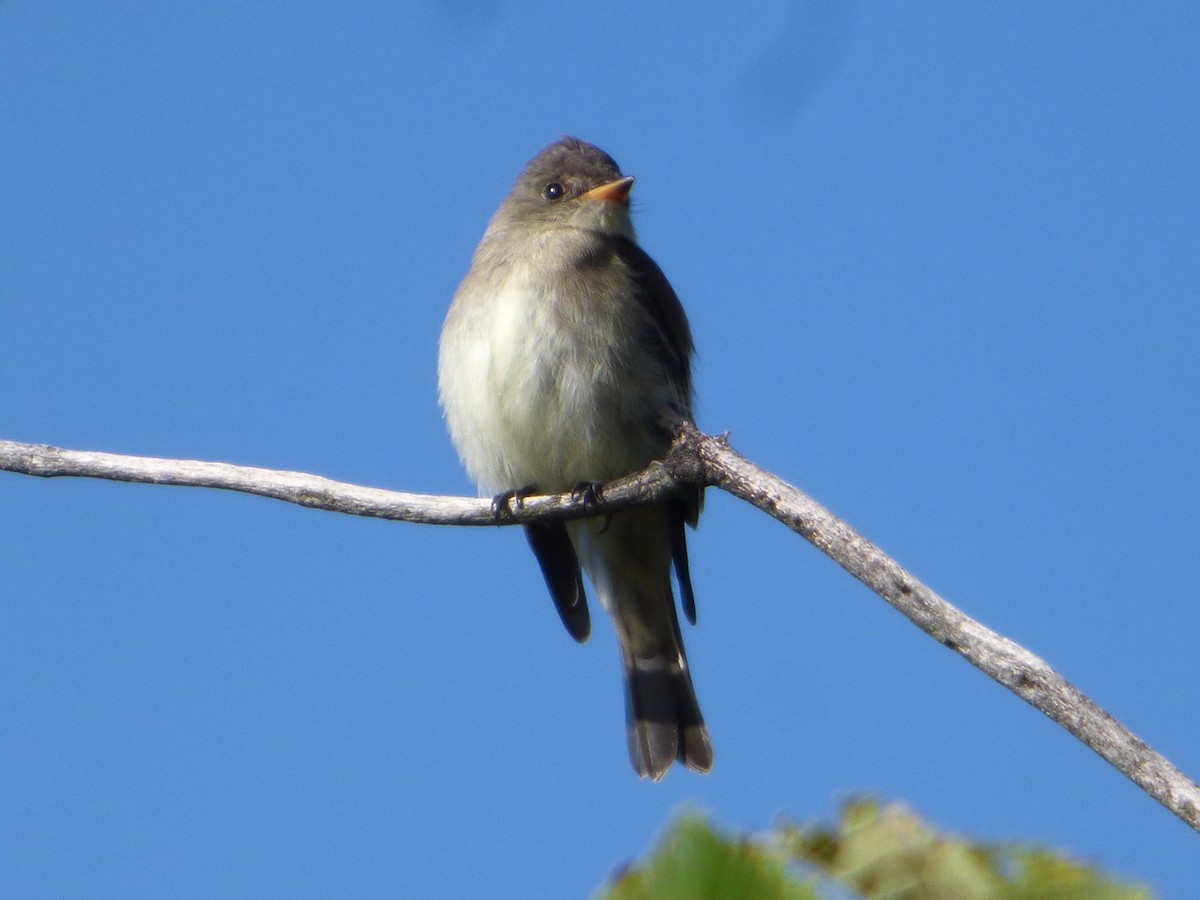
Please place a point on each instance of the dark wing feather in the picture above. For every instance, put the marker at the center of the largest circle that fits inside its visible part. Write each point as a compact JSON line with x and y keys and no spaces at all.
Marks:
{"x":560,"y":567}
{"x":679,"y":555}
{"x":663,"y":309}
{"x":673,"y":338}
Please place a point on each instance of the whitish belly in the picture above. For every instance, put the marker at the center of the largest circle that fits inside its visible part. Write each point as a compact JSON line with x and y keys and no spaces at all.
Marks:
{"x":540,"y":404}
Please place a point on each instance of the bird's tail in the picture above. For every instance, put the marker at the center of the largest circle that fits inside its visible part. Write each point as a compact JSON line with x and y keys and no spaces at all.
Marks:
{"x":628,"y":556}
{"x":662,"y":717}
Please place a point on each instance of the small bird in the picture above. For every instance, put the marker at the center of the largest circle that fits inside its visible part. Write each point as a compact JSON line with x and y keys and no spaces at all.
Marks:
{"x":562,"y":356}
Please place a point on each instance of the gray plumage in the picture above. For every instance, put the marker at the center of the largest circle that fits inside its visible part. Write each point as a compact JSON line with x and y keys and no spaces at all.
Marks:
{"x":563,"y":348}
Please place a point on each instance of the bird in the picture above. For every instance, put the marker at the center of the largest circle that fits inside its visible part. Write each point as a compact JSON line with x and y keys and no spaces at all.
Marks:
{"x":563,"y":359}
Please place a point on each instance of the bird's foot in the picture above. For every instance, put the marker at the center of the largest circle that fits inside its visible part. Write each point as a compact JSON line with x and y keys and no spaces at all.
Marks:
{"x":589,"y":492}
{"x":505,"y":502}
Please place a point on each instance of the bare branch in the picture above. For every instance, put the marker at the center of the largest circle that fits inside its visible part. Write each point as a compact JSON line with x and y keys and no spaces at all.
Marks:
{"x":317,"y":492}
{"x":1024,"y":673}
{"x":696,"y":458}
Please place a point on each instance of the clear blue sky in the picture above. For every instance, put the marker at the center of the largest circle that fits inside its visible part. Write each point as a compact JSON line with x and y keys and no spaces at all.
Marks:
{"x":941,"y":264}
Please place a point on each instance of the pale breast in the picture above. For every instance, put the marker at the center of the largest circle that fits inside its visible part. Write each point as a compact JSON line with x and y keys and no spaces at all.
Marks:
{"x":533,"y":397}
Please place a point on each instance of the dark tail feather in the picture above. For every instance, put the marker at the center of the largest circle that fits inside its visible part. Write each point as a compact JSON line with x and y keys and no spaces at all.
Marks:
{"x":560,"y":567}
{"x":663,"y":720}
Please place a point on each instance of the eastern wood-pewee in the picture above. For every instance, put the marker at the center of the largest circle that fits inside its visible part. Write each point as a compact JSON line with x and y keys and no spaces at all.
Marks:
{"x":562,"y":352}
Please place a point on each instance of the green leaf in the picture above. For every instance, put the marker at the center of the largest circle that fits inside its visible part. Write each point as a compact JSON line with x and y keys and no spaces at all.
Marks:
{"x":874,"y":852}
{"x":890,"y":853}
{"x":695,"y":862}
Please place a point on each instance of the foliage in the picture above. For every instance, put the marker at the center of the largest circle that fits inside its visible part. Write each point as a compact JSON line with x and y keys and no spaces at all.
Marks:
{"x":874,"y":852}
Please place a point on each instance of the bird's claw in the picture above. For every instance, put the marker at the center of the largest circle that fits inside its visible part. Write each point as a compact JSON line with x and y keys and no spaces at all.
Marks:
{"x":504,"y":503}
{"x":590,"y":493}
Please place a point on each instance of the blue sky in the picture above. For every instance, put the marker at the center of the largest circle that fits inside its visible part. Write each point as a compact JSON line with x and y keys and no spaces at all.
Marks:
{"x":941,"y":265}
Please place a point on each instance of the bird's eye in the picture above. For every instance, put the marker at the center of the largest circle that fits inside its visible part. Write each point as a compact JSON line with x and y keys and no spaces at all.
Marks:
{"x":553,"y":191}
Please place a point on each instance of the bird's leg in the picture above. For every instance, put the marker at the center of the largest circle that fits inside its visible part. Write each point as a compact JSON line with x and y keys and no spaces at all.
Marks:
{"x":505,"y":502}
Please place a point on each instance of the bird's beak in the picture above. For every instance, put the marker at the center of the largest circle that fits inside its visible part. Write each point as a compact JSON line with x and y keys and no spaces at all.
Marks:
{"x":614,"y":191}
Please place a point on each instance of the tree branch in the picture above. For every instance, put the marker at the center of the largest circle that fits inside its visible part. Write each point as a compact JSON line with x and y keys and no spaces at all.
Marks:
{"x":317,"y":492}
{"x":696,"y":458}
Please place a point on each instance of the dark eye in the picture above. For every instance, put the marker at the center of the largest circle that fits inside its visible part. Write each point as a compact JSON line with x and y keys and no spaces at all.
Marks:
{"x":553,"y":191}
